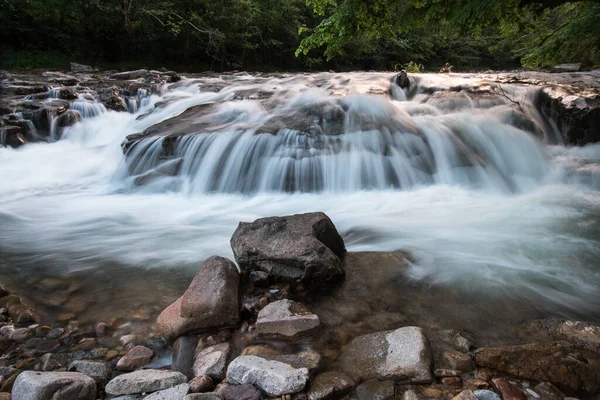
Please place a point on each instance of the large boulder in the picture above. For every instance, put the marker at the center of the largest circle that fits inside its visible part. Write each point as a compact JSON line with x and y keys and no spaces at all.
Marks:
{"x":559,"y":363}
{"x":272,"y":377}
{"x":401,"y":355}
{"x":295,"y":248}
{"x":32,"y":385}
{"x":144,"y":381}
{"x":211,"y":301}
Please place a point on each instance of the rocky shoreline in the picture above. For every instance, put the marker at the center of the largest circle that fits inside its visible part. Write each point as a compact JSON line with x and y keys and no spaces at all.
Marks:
{"x":272,"y":329}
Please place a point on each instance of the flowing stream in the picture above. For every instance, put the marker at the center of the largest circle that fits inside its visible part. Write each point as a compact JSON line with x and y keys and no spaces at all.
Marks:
{"x":478,"y":189}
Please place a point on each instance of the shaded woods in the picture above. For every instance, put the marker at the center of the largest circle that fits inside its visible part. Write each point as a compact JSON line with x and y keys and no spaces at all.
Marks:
{"x":298,"y":35}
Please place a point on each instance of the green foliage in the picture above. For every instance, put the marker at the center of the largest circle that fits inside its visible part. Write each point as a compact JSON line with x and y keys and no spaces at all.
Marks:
{"x":414,"y":67}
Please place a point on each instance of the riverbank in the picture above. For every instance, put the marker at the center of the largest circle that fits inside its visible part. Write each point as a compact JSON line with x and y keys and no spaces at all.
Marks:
{"x":453,"y":351}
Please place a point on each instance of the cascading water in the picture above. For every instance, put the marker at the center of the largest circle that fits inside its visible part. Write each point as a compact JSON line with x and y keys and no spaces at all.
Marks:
{"x":471,"y":180}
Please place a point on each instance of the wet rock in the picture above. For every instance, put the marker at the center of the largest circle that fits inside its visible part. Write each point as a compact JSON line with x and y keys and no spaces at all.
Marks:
{"x":308,"y":359}
{"x":285,"y":318}
{"x":259,"y":278}
{"x":260,"y":350}
{"x":410,"y":395}
{"x":210,"y":301}
{"x":50,"y":362}
{"x":458,"y":361}
{"x":442,"y":373}
{"x":202,"y":396}
{"x":7,"y":372}
{"x":175,"y":393}
{"x":402,"y":80}
{"x":403,"y":355}
{"x":581,"y":334}
{"x":330,"y":385}
{"x":81,"y":68}
{"x":144,"y":381}
{"x":201,"y":384}
{"x":102,"y":329}
{"x":462,"y":343}
{"x":19,"y":312}
{"x":112,"y":100}
{"x":135,"y":358}
{"x":97,"y":370}
{"x":465,"y":395}
{"x":486,"y":395}
{"x":55,"y":333}
{"x":7,"y":386}
{"x":183,"y":355}
{"x":240,"y":392}
{"x":375,"y":390}
{"x":272,"y":377}
{"x":168,"y":168}
{"x":53,"y":385}
{"x":20,"y":335}
{"x":558,"y":363}
{"x":508,"y":390}
{"x":127,"y":75}
{"x":302,"y":247}
{"x":452,"y":381}
{"x":212,"y":361}
{"x":59,"y":77}
{"x":3,"y":291}
{"x":548,"y":391}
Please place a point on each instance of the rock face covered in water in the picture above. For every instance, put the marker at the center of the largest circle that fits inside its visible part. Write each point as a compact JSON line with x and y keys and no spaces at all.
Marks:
{"x":210,"y":301}
{"x":296,"y":248}
{"x":403,"y":355}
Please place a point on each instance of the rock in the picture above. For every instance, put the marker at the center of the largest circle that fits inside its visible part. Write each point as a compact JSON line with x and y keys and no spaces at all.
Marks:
{"x":7,"y":372}
{"x":5,"y":396}
{"x":260,"y":350}
{"x":240,"y":392}
{"x":508,"y":390}
{"x":212,"y":361}
{"x":581,"y":334}
{"x":402,"y":80}
{"x":175,"y":393}
{"x":442,"y":373}
{"x":135,"y":358}
{"x":81,"y":68}
{"x":112,"y":100}
{"x":19,"y":312}
{"x":140,"y":73}
{"x":210,"y":301}
{"x":308,"y":359}
{"x":301,"y":247}
{"x":375,"y":390}
{"x":402,"y":355}
{"x":548,"y":391}
{"x":465,"y":395}
{"x":55,"y":333}
{"x":329,"y":384}
{"x":458,"y":361}
{"x":410,"y":395}
{"x":143,"y":381}
{"x":452,"y":381}
{"x":97,"y":370}
{"x":461,"y":343}
{"x":32,"y":385}
{"x":201,"y":384}
{"x":486,"y":395}
{"x":259,"y":278}
{"x":7,"y":386}
{"x":272,"y":377}
{"x":102,"y":329}
{"x":574,"y":67}
{"x":3,"y":291}
{"x":183,"y":355}
{"x":50,"y":362}
{"x":167,"y":168}
{"x":202,"y":396}
{"x":285,"y":318}
{"x":20,"y":335}
{"x":558,"y":363}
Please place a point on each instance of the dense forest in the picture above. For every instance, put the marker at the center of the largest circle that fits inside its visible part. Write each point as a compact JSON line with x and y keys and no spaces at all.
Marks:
{"x":299,"y":34}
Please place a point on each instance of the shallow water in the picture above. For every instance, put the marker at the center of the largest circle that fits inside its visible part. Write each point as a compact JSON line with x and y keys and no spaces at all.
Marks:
{"x":483,"y":206}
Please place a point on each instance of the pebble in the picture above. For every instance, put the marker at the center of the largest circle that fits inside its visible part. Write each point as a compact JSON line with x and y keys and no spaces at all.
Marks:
{"x":20,"y":335}
{"x":486,"y":395}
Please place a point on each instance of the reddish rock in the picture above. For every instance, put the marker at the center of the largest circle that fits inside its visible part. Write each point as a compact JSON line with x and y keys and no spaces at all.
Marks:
{"x":201,"y":384}
{"x":465,"y":395}
{"x":559,"y":363}
{"x":508,"y":390}
{"x":452,"y":381}
{"x":135,"y":358}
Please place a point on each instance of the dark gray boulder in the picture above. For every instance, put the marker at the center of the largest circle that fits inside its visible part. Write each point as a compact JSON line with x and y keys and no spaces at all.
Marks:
{"x":294,"y":248}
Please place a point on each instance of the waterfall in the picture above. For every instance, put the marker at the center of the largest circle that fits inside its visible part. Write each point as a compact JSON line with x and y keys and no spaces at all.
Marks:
{"x":466,"y":176}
